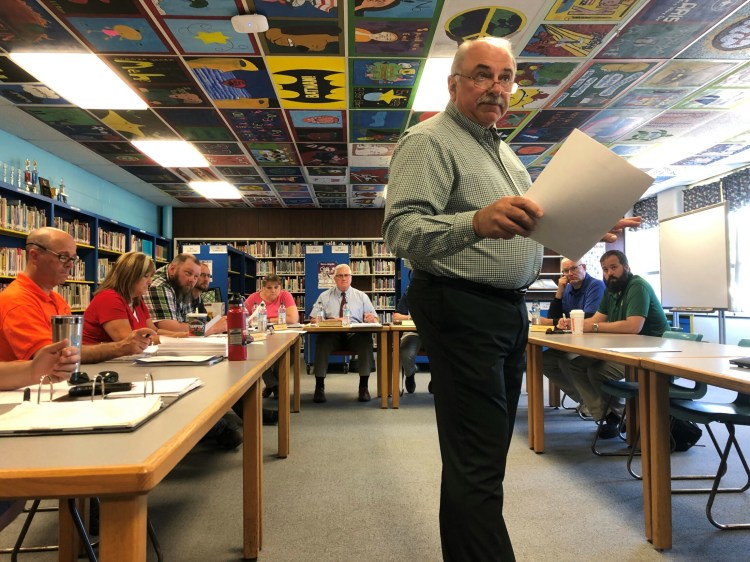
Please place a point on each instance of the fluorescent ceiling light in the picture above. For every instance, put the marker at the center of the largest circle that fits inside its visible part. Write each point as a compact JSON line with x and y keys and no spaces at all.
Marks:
{"x":81,"y":78}
{"x":216,"y":189}
{"x":432,"y":93}
{"x":172,"y":153}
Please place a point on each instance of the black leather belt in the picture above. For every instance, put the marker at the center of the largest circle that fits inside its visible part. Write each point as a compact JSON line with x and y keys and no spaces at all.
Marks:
{"x":464,"y":284}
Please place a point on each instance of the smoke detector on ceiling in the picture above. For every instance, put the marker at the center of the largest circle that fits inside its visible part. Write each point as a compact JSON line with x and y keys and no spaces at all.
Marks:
{"x":250,"y":23}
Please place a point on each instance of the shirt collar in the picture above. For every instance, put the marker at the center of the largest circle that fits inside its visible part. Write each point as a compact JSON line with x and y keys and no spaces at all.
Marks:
{"x":482,"y":134}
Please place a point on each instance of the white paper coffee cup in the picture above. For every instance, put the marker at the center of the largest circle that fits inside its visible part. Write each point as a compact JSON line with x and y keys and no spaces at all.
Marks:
{"x":576,"y":321}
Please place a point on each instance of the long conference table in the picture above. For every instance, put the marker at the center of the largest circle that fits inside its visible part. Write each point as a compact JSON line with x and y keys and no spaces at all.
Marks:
{"x":704,"y":362}
{"x":122,"y":468}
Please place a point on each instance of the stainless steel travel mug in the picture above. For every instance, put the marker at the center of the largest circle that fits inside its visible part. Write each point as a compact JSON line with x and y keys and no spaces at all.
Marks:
{"x":70,"y":327}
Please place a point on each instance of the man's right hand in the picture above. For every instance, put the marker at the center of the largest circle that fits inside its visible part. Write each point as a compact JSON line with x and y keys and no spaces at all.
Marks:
{"x":561,"y":283}
{"x":506,"y":218}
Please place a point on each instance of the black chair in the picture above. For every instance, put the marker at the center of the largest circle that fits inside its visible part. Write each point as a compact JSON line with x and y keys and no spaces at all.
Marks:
{"x":731,"y":415}
{"x":628,"y":391}
{"x":88,"y":545}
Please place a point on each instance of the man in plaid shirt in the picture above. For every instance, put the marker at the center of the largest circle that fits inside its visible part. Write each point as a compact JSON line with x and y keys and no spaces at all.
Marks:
{"x":169,"y":301}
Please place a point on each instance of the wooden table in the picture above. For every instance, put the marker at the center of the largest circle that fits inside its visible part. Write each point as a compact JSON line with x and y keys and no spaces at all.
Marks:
{"x":676,"y":358}
{"x":655,"y":446}
{"x":122,"y":468}
{"x":383,"y":350}
{"x":594,"y":345}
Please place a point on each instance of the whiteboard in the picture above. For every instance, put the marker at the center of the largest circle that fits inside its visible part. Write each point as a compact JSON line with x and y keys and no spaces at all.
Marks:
{"x":694,"y":256}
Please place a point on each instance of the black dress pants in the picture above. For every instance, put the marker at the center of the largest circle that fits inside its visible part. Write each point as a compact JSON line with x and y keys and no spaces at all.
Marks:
{"x":476,"y":341}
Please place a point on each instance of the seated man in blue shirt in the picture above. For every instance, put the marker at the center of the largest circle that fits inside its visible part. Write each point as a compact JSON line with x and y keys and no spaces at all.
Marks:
{"x":576,"y":290}
{"x":332,"y":303}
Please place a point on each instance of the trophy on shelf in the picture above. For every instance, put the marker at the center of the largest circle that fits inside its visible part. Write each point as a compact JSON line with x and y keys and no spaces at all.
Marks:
{"x":62,"y":197}
{"x":27,"y":176}
{"x":34,"y":178}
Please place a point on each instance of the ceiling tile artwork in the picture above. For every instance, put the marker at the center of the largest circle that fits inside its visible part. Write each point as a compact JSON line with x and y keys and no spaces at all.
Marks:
{"x":307,"y":114}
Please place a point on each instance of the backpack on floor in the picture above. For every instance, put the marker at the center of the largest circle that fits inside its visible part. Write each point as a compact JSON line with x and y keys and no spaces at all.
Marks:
{"x":685,"y":434}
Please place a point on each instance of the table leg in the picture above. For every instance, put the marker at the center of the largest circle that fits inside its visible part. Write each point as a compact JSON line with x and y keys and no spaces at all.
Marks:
{"x":284,"y":405}
{"x":252,"y":473}
{"x":122,"y":528}
{"x":644,"y":411}
{"x":661,"y":486}
{"x":395,"y":368}
{"x":529,"y":389}
{"x":537,"y":397}
{"x":68,"y":541}
{"x":297,"y":354}
{"x":383,"y":356}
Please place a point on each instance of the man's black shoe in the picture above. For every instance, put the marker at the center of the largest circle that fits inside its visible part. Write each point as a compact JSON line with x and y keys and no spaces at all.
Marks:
{"x":410,"y":384}
{"x":320,"y":395}
{"x":228,"y":437}
{"x":270,"y":417}
{"x":267,"y":391}
{"x":609,"y":427}
{"x":363,"y":395}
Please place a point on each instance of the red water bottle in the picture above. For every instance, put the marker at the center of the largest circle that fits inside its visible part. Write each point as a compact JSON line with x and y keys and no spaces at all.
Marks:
{"x":236,"y":326}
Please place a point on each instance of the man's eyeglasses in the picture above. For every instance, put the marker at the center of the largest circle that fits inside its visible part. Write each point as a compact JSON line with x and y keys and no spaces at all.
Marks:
{"x":486,"y":82}
{"x":62,"y":258}
{"x":207,"y":275}
{"x":343,"y":275}
{"x":567,"y":270}
{"x":79,"y":377}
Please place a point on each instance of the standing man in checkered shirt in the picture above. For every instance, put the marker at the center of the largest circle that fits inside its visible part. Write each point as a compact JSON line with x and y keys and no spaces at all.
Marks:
{"x":456,"y":210}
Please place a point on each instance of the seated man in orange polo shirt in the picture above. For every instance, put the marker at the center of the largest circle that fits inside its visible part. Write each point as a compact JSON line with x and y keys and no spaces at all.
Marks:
{"x":28,"y":303}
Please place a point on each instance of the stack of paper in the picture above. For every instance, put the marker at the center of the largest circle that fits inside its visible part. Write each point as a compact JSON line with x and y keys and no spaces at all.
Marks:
{"x":166,"y":360}
{"x":210,"y":345}
{"x":81,"y":415}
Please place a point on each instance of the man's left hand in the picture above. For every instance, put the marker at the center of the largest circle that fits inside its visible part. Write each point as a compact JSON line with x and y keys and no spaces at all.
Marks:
{"x":630,"y":222}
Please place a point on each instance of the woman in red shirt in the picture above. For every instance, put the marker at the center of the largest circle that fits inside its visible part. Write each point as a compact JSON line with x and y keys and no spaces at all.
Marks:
{"x":117,"y":307}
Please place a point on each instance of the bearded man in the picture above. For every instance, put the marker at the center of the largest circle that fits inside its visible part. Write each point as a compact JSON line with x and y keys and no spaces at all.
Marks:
{"x":629,"y":306}
{"x":170,"y":295}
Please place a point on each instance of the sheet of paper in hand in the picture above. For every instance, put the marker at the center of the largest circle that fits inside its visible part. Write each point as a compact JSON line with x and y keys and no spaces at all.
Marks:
{"x":584,"y":190}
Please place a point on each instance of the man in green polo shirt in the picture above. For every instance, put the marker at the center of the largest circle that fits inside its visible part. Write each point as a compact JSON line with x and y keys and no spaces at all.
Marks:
{"x":629,"y":306}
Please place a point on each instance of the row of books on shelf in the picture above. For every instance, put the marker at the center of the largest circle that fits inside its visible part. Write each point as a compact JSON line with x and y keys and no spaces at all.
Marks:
{"x":78,"y":273}
{"x":291,"y":284}
{"x":12,"y":261}
{"x":161,"y":253}
{"x":114,"y":241}
{"x":16,"y":215}
{"x":76,"y":295}
{"x":383,"y":301}
{"x":80,"y":231}
{"x":384,"y":284}
{"x":140,"y":245}
{"x":379,"y":249}
{"x":265,"y":267}
{"x":378,"y":267}
{"x":103,"y":267}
